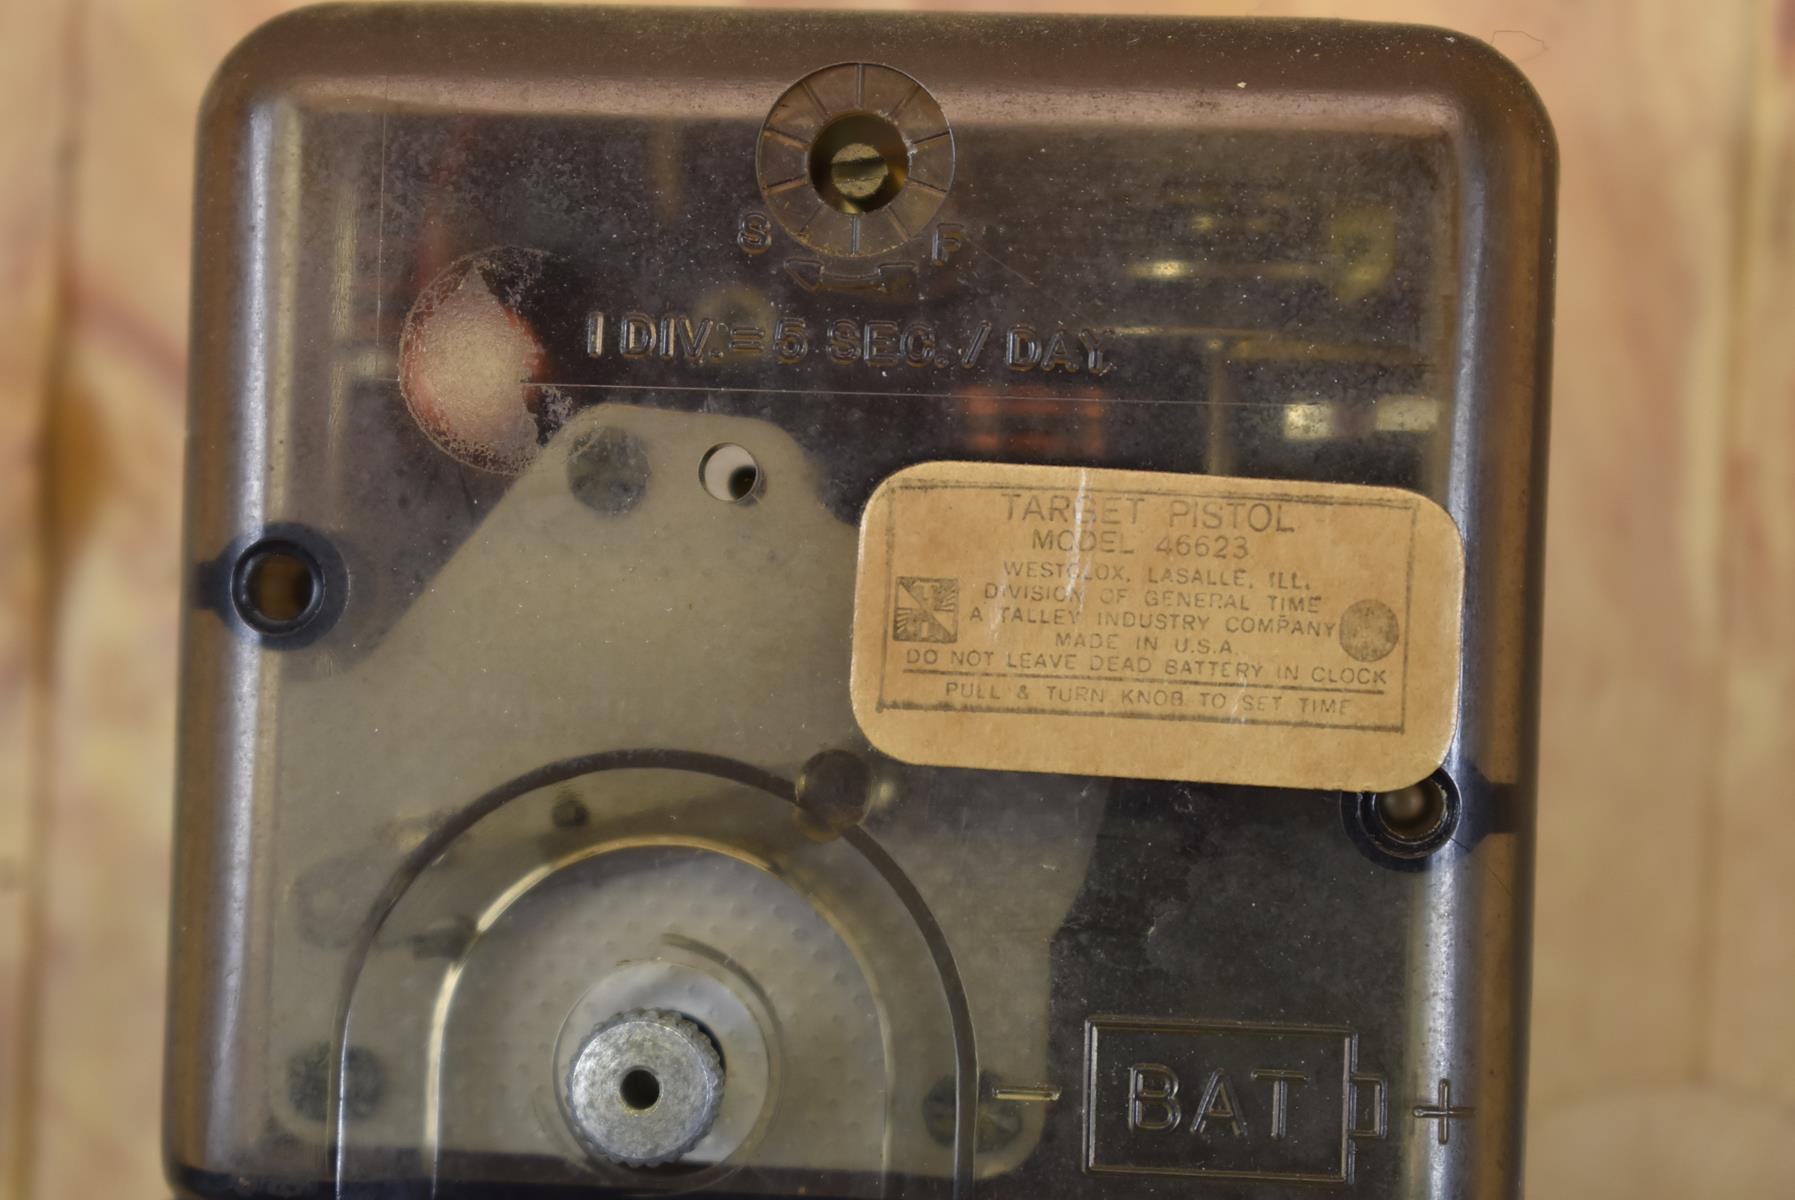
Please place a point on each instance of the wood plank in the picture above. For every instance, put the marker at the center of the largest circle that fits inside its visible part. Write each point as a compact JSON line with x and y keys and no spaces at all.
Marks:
{"x":32,"y":57}
{"x":1751,"y":1038}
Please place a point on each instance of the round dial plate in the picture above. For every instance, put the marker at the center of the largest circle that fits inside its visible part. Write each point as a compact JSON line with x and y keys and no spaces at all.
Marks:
{"x":855,"y":159}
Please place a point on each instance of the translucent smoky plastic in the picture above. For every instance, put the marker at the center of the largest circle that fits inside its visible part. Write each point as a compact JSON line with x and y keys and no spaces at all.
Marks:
{"x":533,"y":411}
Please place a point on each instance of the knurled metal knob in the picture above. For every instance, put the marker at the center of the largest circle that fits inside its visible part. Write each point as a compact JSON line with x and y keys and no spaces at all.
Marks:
{"x":644,"y":1088}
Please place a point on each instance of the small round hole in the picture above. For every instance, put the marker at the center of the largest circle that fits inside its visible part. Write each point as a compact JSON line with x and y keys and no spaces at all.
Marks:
{"x":859,"y":162}
{"x":1413,"y":813}
{"x":277,"y":586}
{"x":730,"y":473}
{"x":639,"y":1089}
{"x":1405,"y":827}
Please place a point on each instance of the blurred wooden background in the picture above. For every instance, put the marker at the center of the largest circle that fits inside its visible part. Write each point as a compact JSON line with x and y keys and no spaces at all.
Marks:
{"x":1664,"y":1003}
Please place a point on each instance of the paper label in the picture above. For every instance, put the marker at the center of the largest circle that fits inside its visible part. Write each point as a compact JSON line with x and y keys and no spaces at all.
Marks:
{"x":1128,"y":623}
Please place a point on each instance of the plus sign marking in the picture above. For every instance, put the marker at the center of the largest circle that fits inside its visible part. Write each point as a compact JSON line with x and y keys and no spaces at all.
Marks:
{"x":1444,"y":1111}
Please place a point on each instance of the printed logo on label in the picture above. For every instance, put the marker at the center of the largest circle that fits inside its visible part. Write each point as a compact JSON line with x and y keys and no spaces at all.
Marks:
{"x":926,"y":610}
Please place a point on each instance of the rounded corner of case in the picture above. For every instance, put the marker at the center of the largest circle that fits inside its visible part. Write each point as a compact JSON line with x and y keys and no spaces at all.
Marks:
{"x":1492,"y":91}
{"x":270,"y":59}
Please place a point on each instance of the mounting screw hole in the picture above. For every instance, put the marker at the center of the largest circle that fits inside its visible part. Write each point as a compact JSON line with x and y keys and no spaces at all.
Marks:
{"x":639,"y":1089}
{"x":1411,"y":814}
{"x":730,"y":473}
{"x":277,"y":587}
{"x":1404,"y":827}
